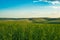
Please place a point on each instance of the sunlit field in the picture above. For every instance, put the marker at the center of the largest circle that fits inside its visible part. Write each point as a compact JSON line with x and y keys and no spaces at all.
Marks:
{"x":27,"y":30}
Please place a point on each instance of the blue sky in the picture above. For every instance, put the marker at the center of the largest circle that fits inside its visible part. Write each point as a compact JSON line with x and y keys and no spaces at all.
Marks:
{"x":29,"y":8}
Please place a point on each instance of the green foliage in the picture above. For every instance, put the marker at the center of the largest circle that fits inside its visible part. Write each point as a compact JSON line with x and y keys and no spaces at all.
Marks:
{"x":25,"y":30}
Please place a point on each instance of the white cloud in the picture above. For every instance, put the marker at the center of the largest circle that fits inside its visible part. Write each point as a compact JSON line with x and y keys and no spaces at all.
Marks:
{"x":51,"y":2}
{"x":56,"y":7}
{"x":54,"y":2}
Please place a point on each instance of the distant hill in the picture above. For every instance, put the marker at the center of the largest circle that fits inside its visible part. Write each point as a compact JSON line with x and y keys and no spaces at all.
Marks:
{"x":36,"y":20}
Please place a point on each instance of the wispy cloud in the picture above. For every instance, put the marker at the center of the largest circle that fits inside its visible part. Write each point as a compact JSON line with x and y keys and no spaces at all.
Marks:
{"x":53,"y":2}
{"x":56,"y":7}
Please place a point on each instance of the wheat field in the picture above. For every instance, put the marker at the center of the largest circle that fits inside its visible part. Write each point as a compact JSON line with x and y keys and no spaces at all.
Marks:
{"x":25,"y":30}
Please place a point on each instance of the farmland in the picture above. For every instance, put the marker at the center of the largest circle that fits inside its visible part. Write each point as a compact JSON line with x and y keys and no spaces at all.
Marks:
{"x":28,"y":30}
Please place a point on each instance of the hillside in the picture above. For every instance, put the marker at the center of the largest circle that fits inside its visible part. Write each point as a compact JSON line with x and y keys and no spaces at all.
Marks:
{"x":35,"y":20}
